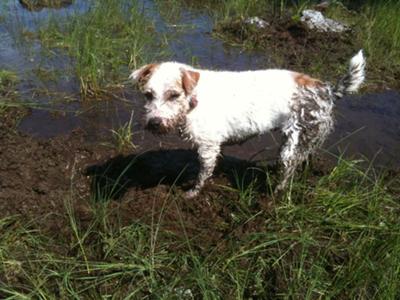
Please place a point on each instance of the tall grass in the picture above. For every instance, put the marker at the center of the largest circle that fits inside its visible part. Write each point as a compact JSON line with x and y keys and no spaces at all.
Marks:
{"x":380,"y":33}
{"x":243,"y":9}
{"x":103,"y":42}
{"x":338,"y":239}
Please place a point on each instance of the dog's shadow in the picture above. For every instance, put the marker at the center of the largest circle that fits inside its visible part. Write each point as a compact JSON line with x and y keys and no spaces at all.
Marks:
{"x":112,"y":179}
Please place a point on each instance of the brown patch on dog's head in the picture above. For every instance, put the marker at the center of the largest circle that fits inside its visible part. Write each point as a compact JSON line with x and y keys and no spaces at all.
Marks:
{"x":142,"y":75}
{"x":306,"y":81}
{"x":189,"y":80}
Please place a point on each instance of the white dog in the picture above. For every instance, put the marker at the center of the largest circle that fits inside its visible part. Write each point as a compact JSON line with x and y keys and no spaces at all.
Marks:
{"x":211,"y":108}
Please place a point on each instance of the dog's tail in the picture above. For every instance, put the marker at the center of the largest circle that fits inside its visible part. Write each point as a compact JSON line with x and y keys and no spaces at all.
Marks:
{"x":354,"y":77}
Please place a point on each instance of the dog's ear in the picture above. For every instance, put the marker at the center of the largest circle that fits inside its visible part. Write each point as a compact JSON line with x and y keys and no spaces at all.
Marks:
{"x":142,"y":75}
{"x":189,"y":80}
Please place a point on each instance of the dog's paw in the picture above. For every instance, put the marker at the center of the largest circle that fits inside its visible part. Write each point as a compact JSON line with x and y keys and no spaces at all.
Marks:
{"x":190,"y":194}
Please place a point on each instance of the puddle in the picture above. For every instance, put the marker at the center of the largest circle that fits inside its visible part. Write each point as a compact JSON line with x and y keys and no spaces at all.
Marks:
{"x":366,"y":125}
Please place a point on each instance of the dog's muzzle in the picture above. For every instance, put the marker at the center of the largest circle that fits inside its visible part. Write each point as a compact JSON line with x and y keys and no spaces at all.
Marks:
{"x":156,"y":125}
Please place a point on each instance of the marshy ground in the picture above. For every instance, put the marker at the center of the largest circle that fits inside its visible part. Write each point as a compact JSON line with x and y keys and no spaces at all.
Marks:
{"x":92,"y":207}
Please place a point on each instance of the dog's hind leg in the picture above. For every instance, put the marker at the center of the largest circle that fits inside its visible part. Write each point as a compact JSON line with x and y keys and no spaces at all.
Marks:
{"x":208,"y":155}
{"x":291,"y":155}
{"x":307,"y":128}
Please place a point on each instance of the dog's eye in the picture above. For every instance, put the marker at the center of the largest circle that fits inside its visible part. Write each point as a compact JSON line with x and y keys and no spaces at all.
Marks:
{"x":173,"y":96}
{"x":149,"y":96}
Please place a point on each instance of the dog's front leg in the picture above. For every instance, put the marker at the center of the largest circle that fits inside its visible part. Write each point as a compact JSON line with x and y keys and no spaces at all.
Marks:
{"x":208,"y":158}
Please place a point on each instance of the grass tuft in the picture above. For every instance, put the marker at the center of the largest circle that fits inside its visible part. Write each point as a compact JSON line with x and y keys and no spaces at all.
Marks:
{"x":380,"y":36}
{"x":8,"y":92}
{"x":123,"y":136}
{"x":8,"y":81}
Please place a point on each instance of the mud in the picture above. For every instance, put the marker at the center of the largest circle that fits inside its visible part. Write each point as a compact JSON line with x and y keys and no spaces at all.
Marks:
{"x":293,"y":46}
{"x":36,"y":5}
{"x":38,"y":176}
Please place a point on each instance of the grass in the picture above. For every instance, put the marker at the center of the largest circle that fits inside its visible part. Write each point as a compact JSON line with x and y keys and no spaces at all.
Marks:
{"x":104,"y":42}
{"x":123,"y":136}
{"x":380,"y":36}
{"x":227,"y":9}
{"x":377,"y":31}
{"x":337,"y":239}
{"x":8,"y":82}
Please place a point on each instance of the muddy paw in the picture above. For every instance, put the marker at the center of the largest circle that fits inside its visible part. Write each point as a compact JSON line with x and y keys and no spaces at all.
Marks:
{"x":190,"y":194}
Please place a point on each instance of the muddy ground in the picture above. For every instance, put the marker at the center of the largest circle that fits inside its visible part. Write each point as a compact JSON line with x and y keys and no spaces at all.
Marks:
{"x":37,"y":177}
{"x":294,"y":46}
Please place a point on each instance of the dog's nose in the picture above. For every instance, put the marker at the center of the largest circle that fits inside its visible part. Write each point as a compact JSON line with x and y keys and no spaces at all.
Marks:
{"x":154,"y":123}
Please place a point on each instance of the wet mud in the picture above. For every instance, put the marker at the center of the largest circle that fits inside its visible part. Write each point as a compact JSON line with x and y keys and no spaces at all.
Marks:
{"x":38,"y":176}
{"x":292,"y":45}
{"x":37,"y":5}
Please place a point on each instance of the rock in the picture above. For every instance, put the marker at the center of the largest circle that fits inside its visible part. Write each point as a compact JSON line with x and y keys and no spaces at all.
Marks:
{"x":315,"y":20}
{"x":36,"y":5}
{"x":256,"y":21}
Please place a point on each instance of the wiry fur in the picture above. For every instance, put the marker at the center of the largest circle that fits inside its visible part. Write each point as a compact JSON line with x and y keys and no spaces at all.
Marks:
{"x":211,"y":108}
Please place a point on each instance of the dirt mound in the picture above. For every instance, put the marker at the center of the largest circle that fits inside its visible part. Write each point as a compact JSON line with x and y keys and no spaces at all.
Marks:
{"x":38,"y":177}
{"x":292,"y":45}
{"x":36,"y":5}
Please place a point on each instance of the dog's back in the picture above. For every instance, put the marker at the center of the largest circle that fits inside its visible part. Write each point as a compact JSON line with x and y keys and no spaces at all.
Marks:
{"x":240,"y":104}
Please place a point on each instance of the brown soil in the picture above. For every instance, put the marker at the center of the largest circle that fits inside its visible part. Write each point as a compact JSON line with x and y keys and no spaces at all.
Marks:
{"x":37,"y":177}
{"x":36,"y":5}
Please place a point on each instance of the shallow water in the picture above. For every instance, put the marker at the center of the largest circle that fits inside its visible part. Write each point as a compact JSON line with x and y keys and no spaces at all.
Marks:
{"x":366,"y":125}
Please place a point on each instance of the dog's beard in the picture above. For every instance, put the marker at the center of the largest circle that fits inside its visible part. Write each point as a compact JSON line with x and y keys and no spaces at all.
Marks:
{"x":166,"y":127}
{"x":159,"y":130}
{"x":169,"y":125}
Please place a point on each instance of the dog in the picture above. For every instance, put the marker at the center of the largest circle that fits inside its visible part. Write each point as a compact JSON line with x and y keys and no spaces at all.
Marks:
{"x":213,"y":108}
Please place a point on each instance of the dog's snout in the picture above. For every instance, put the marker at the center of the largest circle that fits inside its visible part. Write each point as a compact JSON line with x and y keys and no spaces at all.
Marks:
{"x":154,"y":123}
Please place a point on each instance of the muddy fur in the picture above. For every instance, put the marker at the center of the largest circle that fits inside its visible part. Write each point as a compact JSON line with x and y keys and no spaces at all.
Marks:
{"x":309,"y":125}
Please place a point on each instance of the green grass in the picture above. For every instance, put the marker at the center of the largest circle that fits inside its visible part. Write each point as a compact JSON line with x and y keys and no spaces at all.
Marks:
{"x":335,"y":239}
{"x":243,"y":9}
{"x":380,"y":36}
{"x":112,"y":37}
{"x":8,"y":80}
{"x":123,"y":135}
{"x":377,"y":31}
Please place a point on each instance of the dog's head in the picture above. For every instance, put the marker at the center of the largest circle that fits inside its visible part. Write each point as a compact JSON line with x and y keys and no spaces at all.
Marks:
{"x":169,"y":89}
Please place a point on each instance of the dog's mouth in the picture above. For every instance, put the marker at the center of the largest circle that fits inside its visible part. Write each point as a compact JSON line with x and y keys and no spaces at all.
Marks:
{"x":157,"y":127}
{"x":158,"y":131}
